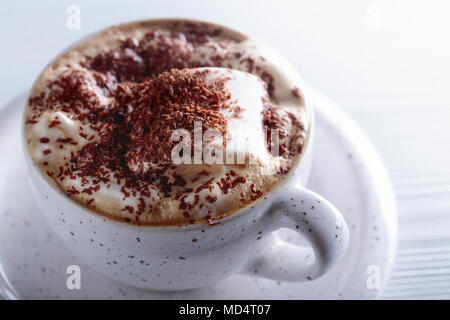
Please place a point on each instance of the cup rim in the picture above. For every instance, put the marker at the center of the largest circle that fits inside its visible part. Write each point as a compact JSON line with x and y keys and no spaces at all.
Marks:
{"x":175,"y":227}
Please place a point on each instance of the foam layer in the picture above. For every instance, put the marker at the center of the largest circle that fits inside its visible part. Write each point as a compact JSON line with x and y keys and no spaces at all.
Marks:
{"x":88,"y":122}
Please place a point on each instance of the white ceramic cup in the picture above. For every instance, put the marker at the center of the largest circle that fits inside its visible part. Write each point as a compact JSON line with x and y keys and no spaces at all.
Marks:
{"x":194,"y":256}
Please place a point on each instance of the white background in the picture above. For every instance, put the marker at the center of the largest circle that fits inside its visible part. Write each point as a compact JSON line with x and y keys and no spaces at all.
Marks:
{"x":386,"y":62}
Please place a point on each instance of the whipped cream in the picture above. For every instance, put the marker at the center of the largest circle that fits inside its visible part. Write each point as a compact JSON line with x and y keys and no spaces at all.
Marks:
{"x":100,"y":92}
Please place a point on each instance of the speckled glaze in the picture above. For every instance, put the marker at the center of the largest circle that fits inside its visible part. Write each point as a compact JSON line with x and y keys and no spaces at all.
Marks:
{"x":33,"y":261}
{"x":195,"y":256}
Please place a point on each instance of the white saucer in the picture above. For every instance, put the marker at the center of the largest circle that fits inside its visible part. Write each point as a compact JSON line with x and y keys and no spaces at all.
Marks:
{"x":346,"y":170}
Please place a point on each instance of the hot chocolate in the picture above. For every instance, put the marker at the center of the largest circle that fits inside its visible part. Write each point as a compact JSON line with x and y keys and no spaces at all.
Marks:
{"x":166,"y":123}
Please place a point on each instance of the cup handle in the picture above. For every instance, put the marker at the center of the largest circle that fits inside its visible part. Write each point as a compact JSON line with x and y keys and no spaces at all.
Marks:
{"x":317,"y":221}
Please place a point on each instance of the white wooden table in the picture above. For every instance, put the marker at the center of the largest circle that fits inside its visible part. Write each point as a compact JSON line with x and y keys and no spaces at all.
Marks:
{"x":385,"y":62}
{"x":419,"y":165}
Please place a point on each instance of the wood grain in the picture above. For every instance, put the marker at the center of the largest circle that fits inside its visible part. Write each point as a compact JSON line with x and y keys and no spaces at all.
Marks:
{"x":414,"y":142}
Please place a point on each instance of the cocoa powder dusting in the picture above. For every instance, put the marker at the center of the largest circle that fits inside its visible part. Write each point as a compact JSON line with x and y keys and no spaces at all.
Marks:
{"x":135,"y":131}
